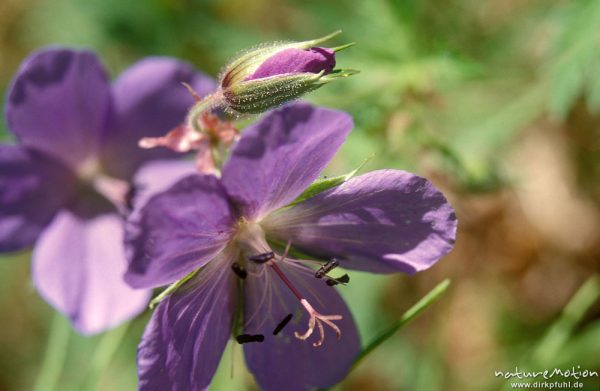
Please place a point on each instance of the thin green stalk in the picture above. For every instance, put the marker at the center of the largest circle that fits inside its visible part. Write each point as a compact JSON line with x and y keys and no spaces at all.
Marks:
{"x":197,"y":110}
{"x":560,"y":332}
{"x":103,"y":355}
{"x":406,"y":318}
{"x":554,"y":341}
{"x":55,"y":355}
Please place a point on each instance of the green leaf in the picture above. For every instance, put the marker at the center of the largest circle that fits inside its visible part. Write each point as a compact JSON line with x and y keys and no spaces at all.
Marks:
{"x":320,"y":185}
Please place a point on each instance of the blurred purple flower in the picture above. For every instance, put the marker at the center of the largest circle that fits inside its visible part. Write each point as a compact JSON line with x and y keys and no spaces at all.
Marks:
{"x":384,"y":221}
{"x":66,"y":183}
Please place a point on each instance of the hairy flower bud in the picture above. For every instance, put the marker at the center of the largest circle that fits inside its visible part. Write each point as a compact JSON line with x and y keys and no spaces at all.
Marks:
{"x":275,"y":74}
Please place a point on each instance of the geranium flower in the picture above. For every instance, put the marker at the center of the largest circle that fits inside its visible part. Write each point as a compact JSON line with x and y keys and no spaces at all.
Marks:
{"x":66,"y":183}
{"x":225,"y":238}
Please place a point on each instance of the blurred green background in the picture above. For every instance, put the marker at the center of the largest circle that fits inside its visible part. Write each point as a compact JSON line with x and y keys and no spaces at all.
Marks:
{"x":496,"y":101}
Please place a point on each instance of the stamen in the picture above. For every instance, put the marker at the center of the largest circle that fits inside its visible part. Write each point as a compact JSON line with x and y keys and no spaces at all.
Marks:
{"x":282,"y":324}
{"x":246,"y":338}
{"x":326,"y":268}
{"x":239,"y":271}
{"x":316,"y":319}
{"x":262,"y":258}
{"x":340,"y":280}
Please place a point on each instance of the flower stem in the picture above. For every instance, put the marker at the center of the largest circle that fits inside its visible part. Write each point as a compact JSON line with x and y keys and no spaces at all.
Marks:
{"x":55,"y":355}
{"x":217,"y":158}
{"x":406,"y":318}
{"x":197,"y":110}
{"x":103,"y":355}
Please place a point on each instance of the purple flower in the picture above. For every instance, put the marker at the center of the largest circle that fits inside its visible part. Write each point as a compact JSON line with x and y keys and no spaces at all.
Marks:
{"x":65,"y":184}
{"x":230,"y":233}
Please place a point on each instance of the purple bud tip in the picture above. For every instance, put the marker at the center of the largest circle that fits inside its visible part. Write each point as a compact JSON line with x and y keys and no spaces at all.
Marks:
{"x":313,"y":60}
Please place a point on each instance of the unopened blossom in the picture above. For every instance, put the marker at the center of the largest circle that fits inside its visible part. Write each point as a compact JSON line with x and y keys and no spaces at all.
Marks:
{"x":226,"y":239}
{"x":273,"y":74}
{"x":255,"y":81}
{"x":67,"y":182}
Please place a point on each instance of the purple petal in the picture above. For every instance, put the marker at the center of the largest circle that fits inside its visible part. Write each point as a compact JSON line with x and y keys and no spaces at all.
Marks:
{"x":59,"y":103}
{"x":383,"y":221}
{"x":149,"y":101}
{"x":78,"y":267}
{"x":294,"y":60}
{"x":278,"y":157}
{"x":157,"y":176}
{"x":283,"y":362}
{"x":183,"y":343}
{"x":178,"y":231}
{"x":32,"y":189}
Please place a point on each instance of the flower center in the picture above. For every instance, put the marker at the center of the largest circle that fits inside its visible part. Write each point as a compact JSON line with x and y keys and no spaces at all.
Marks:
{"x":252,"y":242}
{"x":117,"y":191}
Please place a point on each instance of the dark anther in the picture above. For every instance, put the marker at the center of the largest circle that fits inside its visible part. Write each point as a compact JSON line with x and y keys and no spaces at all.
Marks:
{"x":329,"y":266}
{"x":245,"y":338}
{"x":282,"y":324}
{"x":340,"y":280}
{"x":262,"y":258}
{"x":239,"y":271}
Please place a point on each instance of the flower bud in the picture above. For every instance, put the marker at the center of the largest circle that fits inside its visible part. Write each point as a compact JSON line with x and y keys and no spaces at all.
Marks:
{"x":275,"y":74}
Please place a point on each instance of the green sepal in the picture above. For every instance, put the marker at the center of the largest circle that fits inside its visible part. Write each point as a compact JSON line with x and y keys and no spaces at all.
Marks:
{"x":342,"y":47}
{"x":256,"y":96}
{"x":170,"y":289}
{"x":338,"y":74}
{"x":315,"y":42}
{"x":320,"y":185}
